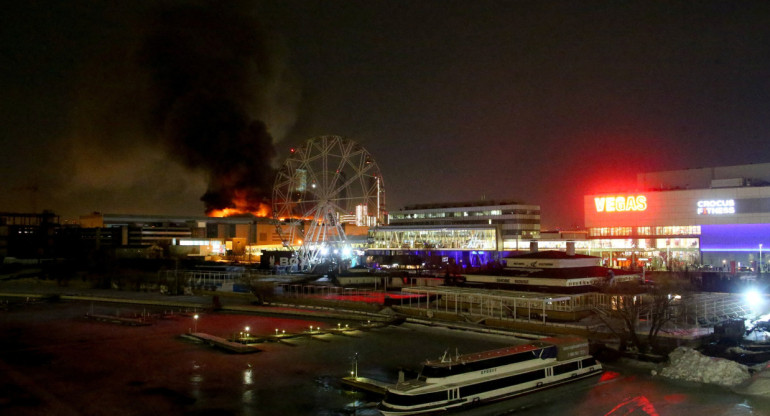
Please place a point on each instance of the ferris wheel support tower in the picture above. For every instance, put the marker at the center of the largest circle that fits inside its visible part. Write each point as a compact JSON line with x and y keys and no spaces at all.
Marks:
{"x":326,"y":182}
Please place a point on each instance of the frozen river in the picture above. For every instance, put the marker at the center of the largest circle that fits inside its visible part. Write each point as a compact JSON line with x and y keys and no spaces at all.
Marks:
{"x":54,"y":361}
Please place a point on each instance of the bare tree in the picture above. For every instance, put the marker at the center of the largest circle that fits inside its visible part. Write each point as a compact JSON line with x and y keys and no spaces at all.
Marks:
{"x":663,"y":298}
{"x":654,"y":303}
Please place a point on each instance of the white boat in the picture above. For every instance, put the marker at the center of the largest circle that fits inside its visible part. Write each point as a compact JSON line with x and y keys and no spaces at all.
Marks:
{"x":474,"y":379}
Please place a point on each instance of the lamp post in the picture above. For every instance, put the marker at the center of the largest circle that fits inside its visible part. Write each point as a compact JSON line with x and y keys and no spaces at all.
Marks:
{"x":354,"y":370}
{"x":195,"y":323}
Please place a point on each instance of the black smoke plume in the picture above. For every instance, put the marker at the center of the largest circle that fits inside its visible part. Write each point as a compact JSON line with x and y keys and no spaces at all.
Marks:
{"x":209,"y":67}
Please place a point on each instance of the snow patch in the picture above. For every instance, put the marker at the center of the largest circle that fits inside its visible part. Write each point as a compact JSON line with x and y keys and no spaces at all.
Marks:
{"x":759,"y":385}
{"x":688,"y":364}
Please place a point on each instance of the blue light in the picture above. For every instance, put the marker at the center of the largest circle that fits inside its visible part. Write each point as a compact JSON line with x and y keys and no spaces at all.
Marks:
{"x":734,"y":237}
{"x":731,"y":249}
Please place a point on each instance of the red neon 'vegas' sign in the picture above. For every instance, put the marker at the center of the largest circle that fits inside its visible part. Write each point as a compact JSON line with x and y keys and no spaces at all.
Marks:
{"x":620,"y":203}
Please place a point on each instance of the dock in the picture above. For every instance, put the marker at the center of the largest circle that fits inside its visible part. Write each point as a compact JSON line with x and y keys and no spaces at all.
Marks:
{"x":224,"y":344}
{"x":117,"y":319}
{"x":346,"y":330}
{"x":366,"y":384}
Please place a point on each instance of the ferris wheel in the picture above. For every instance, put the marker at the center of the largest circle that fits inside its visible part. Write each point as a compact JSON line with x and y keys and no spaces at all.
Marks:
{"x":326,"y":183}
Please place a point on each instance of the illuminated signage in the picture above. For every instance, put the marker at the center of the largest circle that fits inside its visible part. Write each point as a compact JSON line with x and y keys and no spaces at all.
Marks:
{"x":620,"y":203}
{"x":716,"y":207}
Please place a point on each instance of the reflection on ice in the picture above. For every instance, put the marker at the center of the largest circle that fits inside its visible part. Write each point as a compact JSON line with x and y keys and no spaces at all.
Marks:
{"x":629,"y":406}
{"x":248,"y":396}
{"x":196,"y":379}
{"x":247,"y":380}
{"x":608,"y":375}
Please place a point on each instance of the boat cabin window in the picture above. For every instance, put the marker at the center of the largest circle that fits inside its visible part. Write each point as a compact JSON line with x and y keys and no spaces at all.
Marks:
{"x":502,"y":383}
{"x":549,"y":352}
{"x":565,"y":368}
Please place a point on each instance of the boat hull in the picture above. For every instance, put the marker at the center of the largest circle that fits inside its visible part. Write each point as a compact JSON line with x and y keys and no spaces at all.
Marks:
{"x":513,"y":392}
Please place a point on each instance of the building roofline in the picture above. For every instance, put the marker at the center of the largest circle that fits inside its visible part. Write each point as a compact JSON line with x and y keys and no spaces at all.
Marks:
{"x":464,"y":204}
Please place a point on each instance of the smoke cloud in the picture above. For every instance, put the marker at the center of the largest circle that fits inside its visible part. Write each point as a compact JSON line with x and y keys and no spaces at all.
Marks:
{"x":200,"y":83}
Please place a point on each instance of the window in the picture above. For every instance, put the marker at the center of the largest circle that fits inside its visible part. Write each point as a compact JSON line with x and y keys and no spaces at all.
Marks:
{"x":611,"y":232}
{"x":565,"y":368}
{"x":502,"y":383}
{"x":678,"y":230}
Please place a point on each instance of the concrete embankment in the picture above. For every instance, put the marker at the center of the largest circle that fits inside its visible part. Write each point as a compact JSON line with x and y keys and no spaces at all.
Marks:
{"x":200,"y":303}
{"x":241,"y":305}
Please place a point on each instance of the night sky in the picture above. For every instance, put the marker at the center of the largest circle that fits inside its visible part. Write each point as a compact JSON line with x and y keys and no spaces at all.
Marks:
{"x":139,"y":107}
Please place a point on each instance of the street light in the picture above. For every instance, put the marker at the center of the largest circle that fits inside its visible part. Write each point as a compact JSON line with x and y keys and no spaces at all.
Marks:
{"x":195,"y":323}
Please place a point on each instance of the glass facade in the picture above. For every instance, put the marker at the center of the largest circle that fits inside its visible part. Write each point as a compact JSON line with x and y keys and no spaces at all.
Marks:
{"x":394,"y":238}
{"x":515,"y":220}
{"x":654,"y":248}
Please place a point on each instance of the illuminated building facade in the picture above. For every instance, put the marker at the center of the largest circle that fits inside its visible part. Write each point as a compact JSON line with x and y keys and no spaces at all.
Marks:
{"x":437,"y":245}
{"x":240,"y":237}
{"x":463,"y":233}
{"x":708,"y":217}
{"x":516,"y":222}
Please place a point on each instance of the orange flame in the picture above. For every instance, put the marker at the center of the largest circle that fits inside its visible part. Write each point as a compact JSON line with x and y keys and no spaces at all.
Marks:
{"x":241,"y":206}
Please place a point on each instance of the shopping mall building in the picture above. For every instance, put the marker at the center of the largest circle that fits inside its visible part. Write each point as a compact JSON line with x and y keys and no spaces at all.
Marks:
{"x":470,"y":233}
{"x":696,"y":218}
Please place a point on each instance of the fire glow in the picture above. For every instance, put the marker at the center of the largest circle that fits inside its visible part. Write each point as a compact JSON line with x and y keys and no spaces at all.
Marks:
{"x":240,"y":205}
{"x":620,"y":203}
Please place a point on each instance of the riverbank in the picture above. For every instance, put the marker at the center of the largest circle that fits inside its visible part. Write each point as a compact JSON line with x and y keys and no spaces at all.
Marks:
{"x":58,"y":362}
